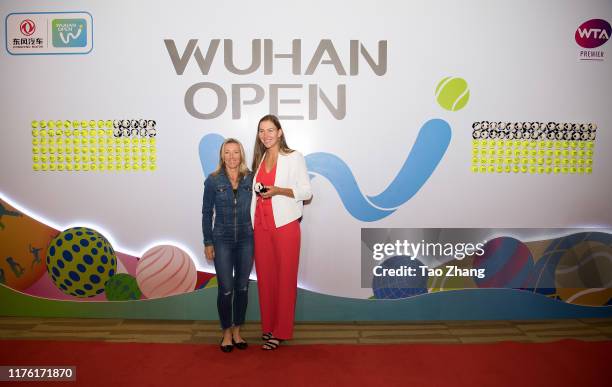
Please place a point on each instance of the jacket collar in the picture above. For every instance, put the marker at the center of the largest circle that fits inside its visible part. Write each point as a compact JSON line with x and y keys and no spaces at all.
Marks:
{"x":224,"y":174}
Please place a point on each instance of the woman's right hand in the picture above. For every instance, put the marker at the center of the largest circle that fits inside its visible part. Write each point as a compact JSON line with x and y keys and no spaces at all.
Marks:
{"x":209,"y":252}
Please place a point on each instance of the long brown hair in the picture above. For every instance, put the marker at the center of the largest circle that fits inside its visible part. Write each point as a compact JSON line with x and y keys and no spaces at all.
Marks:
{"x":260,"y":149}
{"x":243,"y":170}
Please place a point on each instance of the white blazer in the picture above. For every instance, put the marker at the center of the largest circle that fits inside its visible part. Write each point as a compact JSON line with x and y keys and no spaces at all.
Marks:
{"x":291,"y":173}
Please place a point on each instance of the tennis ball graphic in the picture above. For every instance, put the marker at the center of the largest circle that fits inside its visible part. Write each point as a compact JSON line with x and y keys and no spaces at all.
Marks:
{"x":122,"y":287}
{"x":80,"y":261}
{"x":452,"y":93}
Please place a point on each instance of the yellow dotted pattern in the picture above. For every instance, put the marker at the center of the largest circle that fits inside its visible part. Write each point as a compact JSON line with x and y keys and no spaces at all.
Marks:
{"x":532,"y":156}
{"x":89,"y":146}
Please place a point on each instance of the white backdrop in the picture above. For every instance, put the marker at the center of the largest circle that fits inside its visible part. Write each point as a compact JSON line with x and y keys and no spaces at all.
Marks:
{"x":519,"y":58}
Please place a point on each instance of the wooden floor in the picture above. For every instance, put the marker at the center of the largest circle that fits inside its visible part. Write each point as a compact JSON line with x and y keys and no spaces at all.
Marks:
{"x":207,"y":332}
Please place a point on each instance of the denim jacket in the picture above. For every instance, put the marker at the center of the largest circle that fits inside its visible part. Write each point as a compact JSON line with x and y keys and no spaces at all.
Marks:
{"x":232,"y":215}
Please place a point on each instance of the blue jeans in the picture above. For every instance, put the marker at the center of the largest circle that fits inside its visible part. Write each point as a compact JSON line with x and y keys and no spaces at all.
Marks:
{"x":233,"y":263}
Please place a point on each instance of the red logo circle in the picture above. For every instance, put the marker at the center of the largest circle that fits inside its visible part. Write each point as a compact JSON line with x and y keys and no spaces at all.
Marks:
{"x":27,"y":27}
{"x":593,"y":33}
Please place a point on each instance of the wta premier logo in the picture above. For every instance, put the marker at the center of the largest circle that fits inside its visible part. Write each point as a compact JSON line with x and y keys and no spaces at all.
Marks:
{"x":592,"y":34}
{"x":429,"y":148}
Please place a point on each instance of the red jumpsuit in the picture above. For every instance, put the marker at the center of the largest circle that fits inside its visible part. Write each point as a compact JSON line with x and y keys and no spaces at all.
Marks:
{"x":277,"y":253}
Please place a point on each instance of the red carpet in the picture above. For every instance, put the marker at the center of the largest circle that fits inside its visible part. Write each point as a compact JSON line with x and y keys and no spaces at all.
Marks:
{"x":562,"y":363}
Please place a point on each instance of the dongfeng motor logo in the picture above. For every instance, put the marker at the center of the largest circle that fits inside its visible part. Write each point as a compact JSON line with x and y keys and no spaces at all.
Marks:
{"x":27,"y":27}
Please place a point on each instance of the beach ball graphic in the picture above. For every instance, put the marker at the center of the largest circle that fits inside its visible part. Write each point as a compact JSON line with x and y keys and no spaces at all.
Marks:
{"x":212,"y":283}
{"x":80,"y":261}
{"x":452,"y":93}
{"x":507,"y":262}
{"x":444,"y":283}
{"x":209,"y":283}
{"x":584,"y":274}
{"x":23,"y":248}
{"x":576,"y":269}
{"x":394,"y":287}
{"x":122,"y":287}
{"x":165,"y":271}
{"x":542,"y":277}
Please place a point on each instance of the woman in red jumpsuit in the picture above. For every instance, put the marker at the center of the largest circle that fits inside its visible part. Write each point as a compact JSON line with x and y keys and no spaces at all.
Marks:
{"x":282,"y":183}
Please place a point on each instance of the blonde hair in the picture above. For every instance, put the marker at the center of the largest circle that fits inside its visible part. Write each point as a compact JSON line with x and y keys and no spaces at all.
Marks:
{"x":260,"y":149}
{"x":243,"y":170}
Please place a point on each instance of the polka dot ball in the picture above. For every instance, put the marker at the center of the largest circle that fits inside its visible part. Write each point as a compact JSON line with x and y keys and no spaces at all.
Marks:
{"x":122,"y":287}
{"x":80,"y":261}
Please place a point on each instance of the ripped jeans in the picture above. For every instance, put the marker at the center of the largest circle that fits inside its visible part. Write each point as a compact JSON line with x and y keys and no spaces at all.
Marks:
{"x":233,"y":263}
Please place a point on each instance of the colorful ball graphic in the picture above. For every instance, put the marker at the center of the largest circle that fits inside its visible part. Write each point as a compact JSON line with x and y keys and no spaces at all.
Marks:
{"x":582,"y":277}
{"x":586,"y":296}
{"x":23,"y":248}
{"x":584,"y":274}
{"x":399,"y":286}
{"x":541,"y":279}
{"x":209,"y":283}
{"x":122,"y":287}
{"x":445,"y":283}
{"x":212,"y":283}
{"x":203,"y":279}
{"x":507,"y":263}
{"x":165,"y":271}
{"x":452,"y":93}
{"x":80,"y":261}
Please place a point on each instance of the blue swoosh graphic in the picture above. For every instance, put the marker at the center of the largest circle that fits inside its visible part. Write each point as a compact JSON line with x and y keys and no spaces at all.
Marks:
{"x":429,"y":148}
{"x":340,"y":176}
{"x":209,"y":152}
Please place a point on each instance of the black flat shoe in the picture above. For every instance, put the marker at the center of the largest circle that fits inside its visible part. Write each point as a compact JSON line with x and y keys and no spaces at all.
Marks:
{"x":240,"y":345}
{"x":226,"y":348}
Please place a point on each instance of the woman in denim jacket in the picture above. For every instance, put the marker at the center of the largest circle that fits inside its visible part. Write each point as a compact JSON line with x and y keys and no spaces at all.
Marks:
{"x":227,"y":196}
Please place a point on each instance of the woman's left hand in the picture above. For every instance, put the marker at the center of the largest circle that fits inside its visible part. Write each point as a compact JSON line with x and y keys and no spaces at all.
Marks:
{"x":271,"y":191}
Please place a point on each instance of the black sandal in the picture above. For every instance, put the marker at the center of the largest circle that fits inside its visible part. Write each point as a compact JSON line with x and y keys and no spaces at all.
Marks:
{"x":267,"y":336}
{"x":271,"y":344}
